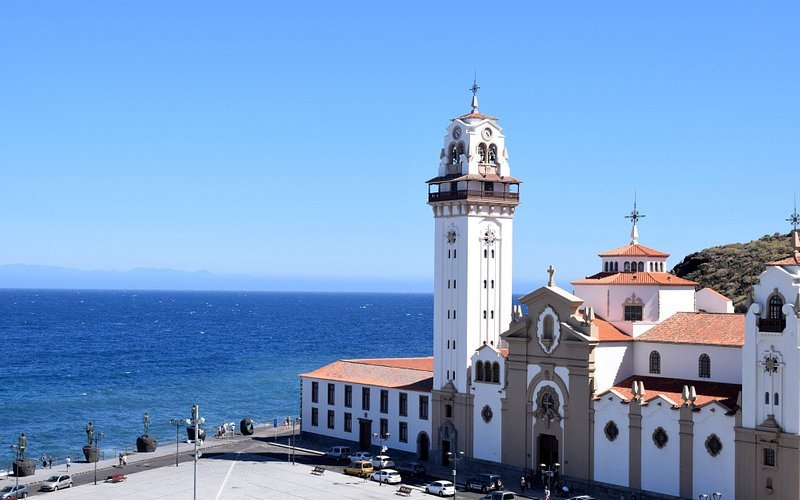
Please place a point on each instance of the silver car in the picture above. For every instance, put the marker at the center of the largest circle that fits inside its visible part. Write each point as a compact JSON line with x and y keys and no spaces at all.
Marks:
{"x":53,"y":483}
{"x":12,"y":491}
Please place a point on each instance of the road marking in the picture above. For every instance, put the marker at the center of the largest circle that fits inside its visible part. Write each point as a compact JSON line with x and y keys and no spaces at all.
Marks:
{"x":227,"y":476}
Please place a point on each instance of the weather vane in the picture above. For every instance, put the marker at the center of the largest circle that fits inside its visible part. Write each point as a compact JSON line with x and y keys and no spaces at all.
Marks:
{"x":635,"y":215}
{"x":794,"y":218}
{"x":474,"y":89}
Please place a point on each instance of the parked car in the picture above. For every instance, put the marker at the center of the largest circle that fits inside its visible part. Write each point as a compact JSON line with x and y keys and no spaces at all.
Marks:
{"x":411,"y":469}
{"x":388,"y":476}
{"x":382,"y":461}
{"x":338,"y":452}
{"x":12,"y":491}
{"x":499,"y":495}
{"x":582,"y":497}
{"x":441,"y":488}
{"x":359,"y":468}
{"x":360,"y":455}
{"x":53,"y":483}
{"x":485,"y":483}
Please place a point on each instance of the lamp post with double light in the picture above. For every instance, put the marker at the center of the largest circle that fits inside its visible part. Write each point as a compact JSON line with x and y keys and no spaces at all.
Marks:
{"x":549,"y":472}
{"x":380,"y":436}
{"x":454,"y":459}
{"x":97,"y":437}
{"x":178,"y":423}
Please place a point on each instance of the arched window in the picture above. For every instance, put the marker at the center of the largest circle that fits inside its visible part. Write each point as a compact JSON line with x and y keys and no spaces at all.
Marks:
{"x":605,"y":266}
{"x":776,"y":399}
{"x":616,"y":266}
{"x":640,"y":267}
{"x":482,"y":154}
{"x":548,"y":326}
{"x":487,"y":372}
{"x":627,"y":267}
{"x":460,"y":149}
{"x":453,"y":154}
{"x":650,"y":266}
{"x":655,"y":362}
{"x":775,"y":307}
{"x":766,"y":398}
{"x":661,"y":265}
{"x":496,"y":372}
{"x":492,"y":154}
{"x":479,"y":371}
{"x":705,"y":366}
{"x":484,"y":283}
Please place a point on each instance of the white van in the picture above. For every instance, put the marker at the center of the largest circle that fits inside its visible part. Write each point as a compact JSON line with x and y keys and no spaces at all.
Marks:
{"x":338,"y":452}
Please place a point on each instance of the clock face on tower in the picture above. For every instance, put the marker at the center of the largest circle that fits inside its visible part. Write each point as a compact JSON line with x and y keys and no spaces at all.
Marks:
{"x":456,"y":132}
{"x":487,"y":133}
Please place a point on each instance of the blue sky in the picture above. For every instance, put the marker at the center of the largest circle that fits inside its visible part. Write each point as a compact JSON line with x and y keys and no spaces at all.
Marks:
{"x":293,"y":139}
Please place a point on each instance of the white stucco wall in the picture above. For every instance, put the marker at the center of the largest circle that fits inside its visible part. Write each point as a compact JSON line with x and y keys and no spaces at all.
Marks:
{"x":710,"y":301}
{"x":415,"y":425}
{"x":674,"y":299}
{"x":613,"y":361}
{"x":660,"y":466}
{"x":683,"y":361}
{"x":486,"y":443}
{"x":709,"y":473}
{"x":611,"y":458}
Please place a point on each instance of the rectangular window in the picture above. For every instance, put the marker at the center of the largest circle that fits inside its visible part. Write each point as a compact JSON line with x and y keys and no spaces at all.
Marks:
{"x":331,"y":394}
{"x":384,"y":427}
{"x":769,"y":457}
{"x":448,"y":411}
{"x":633,"y":313}
{"x":348,"y":422}
{"x":403,"y":404}
{"x":348,"y":396}
{"x":315,"y":392}
{"x":314,"y":417}
{"x":488,"y":186}
{"x":331,"y":419}
{"x":365,"y":398}
{"x":384,"y":401}
{"x":403,"y":432}
{"x":454,"y":283}
{"x":423,"y":407}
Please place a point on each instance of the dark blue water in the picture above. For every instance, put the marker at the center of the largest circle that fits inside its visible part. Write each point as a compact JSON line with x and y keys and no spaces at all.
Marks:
{"x":76,"y":356}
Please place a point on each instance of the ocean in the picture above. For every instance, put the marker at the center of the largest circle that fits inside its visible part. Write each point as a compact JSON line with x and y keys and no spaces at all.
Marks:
{"x":75,"y":356}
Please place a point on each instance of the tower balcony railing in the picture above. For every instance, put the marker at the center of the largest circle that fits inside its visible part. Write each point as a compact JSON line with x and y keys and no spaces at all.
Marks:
{"x":772,"y":325}
{"x":463,"y":194}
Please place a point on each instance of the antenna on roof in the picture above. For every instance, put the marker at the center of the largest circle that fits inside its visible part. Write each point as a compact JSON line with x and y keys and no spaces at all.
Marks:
{"x":474,"y":89}
{"x":635,"y":216}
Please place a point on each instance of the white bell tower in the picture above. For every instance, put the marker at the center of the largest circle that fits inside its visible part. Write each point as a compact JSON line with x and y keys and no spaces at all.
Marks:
{"x":473,"y":199}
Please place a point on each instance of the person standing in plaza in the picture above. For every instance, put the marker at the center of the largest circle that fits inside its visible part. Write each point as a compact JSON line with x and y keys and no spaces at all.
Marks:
{"x":522,"y":485}
{"x":50,"y":460}
{"x":68,"y":463}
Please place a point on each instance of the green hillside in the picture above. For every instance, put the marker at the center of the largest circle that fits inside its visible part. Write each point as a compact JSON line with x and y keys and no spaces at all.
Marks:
{"x":731,"y":269}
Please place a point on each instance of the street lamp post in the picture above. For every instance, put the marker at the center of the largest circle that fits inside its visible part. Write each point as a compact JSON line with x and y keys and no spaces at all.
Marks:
{"x":454,"y":459}
{"x":550,"y":472}
{"x":381,"y":436}
{"x":97,"y":437}
{"x":178,"y":424}
{"x":19,"y":449}
{"x":195,"y":421}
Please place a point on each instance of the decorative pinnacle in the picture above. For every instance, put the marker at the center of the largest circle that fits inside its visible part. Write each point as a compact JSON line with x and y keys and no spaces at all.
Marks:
{"x":474,"y":89}
{"x":635,"y":216}
{"x":551,"y":271}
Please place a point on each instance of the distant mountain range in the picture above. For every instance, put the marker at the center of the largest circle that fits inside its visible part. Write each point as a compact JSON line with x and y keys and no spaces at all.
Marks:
{"x":37,"y":276}
{"x":733,"y":268}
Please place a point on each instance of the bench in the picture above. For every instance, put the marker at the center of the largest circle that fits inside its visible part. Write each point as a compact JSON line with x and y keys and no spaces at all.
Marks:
{"x":116,"y":478}
{"x":318,"y":470}
{"x":404,"y":490}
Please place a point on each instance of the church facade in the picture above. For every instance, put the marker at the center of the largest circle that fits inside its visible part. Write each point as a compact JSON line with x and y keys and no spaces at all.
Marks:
{"x":633,"y":378}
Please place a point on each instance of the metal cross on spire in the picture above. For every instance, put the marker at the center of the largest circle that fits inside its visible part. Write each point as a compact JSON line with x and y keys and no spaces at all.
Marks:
{"x":474,"y":89}
{"x":635,"y":216}
{"x":794,"y":218}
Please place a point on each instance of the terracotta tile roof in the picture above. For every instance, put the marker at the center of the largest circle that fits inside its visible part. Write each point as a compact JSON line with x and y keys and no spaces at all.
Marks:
{"x":634,"y":250}
{"x":672,"y":388}
{"x":414,"y":374}
{"x":474,"y":115}
{"x":639,"y":278}
{"x":608,"y":332}
{"x":724,"y":329}
{"x":474,"y":177}
{"x":792,"y":260}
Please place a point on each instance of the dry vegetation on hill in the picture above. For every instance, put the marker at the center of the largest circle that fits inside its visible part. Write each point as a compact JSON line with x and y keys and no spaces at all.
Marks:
{"x":732,"y":269}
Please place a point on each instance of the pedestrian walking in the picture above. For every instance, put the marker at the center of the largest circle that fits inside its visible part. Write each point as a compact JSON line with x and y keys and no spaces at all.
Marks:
{"x":43,"y":460}
{"x":68,"y":463}
{"x":522,"y":485}
{"x":50,"y":460}
{"x":124,"y":460}
{"x":120,"y":459}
